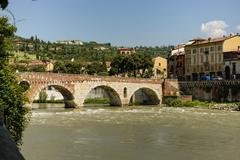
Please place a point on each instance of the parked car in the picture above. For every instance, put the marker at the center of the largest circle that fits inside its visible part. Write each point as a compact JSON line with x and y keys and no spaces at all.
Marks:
{"x":217,"y":78}
{"x":206,"y":78}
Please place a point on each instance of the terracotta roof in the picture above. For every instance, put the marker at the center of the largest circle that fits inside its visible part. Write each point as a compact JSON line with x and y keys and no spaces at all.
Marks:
{"x":125,"y":49}
{"x":212,"y":40}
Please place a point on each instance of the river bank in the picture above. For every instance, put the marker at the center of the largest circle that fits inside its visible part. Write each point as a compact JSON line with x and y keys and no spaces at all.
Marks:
{"x":231,"y":106}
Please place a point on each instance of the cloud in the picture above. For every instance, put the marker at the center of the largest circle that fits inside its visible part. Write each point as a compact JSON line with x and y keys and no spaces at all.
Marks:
{"x":214,"y":28}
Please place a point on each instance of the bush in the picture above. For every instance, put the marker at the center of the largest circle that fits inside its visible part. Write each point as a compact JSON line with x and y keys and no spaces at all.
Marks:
{"x":173,"y":102}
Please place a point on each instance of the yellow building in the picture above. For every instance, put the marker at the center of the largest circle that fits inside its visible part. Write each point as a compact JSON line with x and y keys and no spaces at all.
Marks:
{"x":160,"y":67}
{"x":204,"y":57}
{"x":49,"y":66}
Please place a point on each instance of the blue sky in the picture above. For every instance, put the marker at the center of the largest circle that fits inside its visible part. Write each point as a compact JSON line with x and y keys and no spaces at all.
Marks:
{"x":126,"y":22}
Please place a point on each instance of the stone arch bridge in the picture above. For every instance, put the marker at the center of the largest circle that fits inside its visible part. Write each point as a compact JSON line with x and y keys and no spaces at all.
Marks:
{"x":75,"y":88}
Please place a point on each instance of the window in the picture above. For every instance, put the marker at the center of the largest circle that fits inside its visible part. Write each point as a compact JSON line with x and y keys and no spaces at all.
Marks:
{"x":219,"y":58}
{"x":219,"y":48}
{"x":206,"y":50}
{"x":201,"y":58}
{"x":125,"y":92}
{"x":212,"y":48}
{"x":212,"y":58}
{"x":194,"y":51}
{"x":206,"y":58}
{"x":201,"y":50}
{"x":194,"y":60}
{"x":234,"y":68}
{"x":159,"y":64}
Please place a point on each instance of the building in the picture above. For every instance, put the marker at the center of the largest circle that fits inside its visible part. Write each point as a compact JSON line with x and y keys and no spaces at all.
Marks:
{"x":232,"y":64}
{"x":47,"y":65}
{"x":24,"y":45}
{"x":70,"y":42}
{"x":204,"y":57}
{"x":126,"y":51}
{"x":160,"y":67}
{"x":176,"y":63}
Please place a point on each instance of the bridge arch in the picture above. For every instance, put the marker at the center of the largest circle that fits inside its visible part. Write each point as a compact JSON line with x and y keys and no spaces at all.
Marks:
{"x":66,"y":93}
{"x":144,"y":96}
{"x":113,"y":95}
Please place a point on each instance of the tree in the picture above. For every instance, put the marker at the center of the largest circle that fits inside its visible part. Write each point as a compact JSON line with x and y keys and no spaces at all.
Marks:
{"x":11,"y":94}
{"x":59,"y":67}
{"x":74,"y":67}
{"x":133,"y":65}
{"x":96,"y":68}
{"x":3,"y":4}
{"x":42,"y":98}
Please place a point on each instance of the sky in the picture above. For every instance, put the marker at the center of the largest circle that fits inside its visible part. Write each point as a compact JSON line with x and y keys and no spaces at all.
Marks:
{"x":126,"y":22}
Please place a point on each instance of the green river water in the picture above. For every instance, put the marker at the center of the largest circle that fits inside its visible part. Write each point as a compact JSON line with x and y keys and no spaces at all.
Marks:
{"x":141,"y":133}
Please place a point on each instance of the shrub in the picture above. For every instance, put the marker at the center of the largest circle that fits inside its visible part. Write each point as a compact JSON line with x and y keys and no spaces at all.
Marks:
{"x":173,"y":102}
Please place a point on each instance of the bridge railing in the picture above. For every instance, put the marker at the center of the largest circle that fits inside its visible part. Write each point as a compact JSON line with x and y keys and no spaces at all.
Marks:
{"x":81,"y":77}
{"x":209,"y":83}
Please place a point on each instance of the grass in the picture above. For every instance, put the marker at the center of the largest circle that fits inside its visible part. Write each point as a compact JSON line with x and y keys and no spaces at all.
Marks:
{"x":49,"y":101}
{"x":97,"y":101}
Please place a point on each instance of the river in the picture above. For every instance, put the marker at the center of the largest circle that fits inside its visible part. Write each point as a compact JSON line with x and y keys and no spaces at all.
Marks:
{"x":140,"y":133}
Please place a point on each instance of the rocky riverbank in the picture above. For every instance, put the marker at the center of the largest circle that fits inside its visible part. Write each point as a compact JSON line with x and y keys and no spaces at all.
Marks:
{"x":227,"y":107}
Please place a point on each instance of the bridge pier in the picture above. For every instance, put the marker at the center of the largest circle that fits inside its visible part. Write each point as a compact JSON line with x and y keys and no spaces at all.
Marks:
{"x":78,"y":103}
{"x":125,"y":102}
{"x":70,"y":104}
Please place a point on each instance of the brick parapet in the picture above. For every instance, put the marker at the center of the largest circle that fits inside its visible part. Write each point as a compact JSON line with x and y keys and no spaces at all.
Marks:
{"x":34,"y":77}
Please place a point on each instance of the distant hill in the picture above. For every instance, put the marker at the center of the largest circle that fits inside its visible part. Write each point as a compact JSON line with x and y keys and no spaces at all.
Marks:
{"x":34,"y":48}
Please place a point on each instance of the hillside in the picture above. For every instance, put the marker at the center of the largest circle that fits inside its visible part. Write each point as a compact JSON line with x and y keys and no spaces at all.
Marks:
{"x":34,"y":48}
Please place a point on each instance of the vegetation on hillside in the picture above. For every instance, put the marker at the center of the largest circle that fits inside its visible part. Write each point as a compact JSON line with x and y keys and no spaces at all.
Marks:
{"x":87,"y":52}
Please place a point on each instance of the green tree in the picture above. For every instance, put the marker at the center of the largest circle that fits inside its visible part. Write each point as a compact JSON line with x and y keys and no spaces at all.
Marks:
{"x":134,"y":65}
{"x":59,"y":67}
{"x":42,"y":96}
{"x":74,"y":67}
{"x":11,"y":94}
{"x":3,"y":4}
{"x":96,"y":68}
{"x":118,"y":65}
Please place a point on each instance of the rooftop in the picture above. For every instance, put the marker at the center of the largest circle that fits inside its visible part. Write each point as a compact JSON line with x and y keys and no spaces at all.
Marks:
{"x":198,"y":41}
